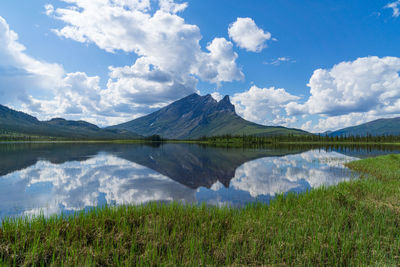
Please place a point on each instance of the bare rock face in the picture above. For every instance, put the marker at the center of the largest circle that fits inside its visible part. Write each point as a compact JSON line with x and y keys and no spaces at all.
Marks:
{"x":226,"y":105}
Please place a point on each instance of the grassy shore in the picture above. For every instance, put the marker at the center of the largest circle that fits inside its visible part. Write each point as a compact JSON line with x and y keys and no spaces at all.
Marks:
{"x":353,"y":223}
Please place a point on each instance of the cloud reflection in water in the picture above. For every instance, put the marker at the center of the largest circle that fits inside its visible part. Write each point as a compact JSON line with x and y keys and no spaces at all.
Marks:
{"x":74,"y":185}
{"x":106,"y":178}
{"x":264,"y":178}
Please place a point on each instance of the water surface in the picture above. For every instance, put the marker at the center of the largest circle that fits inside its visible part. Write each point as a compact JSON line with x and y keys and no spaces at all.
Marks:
{"x":55,"y":178}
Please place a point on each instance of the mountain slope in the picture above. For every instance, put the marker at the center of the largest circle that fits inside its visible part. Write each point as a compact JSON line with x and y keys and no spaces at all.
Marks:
{"x":15,"y":121}
{"x":195,"y":116}
{"x":376,"y":127}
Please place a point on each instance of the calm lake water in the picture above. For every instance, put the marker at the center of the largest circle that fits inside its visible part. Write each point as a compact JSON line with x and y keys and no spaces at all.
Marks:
{"x":55,"y":178}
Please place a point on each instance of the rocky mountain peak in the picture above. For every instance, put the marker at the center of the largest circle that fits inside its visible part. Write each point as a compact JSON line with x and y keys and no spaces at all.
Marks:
{"x":226,"y":105}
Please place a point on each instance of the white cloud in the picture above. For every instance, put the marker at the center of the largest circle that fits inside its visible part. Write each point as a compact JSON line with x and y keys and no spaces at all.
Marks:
{"x":171,"y":7}
{"x":348,"y":94}
{"x":264,"y":105}
{"x":352,"y":93}
{"x":363,"y":85}
{"x":163,"y":39}
{"x":44,"y":89}
{"x":307,"y":126}
{"x":49,"y":9}
{"x":78,"y":95}
{"x":170,"y":56}
{"x":220,"y":64}
{"x":169,"y":63}
{"x":395,"y":6}
{"x":217,"y":96}
{"x":146,"y":84}
{"x":22,"y":75}
{"x":246,"y":34}
{"x":12,"y":55}
{"x":279,"y":61}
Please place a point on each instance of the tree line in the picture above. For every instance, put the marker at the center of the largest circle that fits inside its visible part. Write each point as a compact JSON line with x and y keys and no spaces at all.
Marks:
{"x":303,"y":138}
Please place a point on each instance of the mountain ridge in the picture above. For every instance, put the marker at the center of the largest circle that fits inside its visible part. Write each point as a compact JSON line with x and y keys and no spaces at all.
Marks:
{"x":22,"y":123}
{"x":379,"y":127}
{"x":195,"y":116}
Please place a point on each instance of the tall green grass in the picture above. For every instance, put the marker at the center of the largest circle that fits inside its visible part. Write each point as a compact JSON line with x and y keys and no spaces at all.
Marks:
{"x":354,"y":223}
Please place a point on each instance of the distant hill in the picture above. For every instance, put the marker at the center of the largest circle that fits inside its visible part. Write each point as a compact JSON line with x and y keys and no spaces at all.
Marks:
{"x":195,"y":116}
{"x":375,"y":128}
{"x":19,"y":122}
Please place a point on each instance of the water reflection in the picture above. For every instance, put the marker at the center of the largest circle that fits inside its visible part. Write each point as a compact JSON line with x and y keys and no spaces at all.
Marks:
{"x":54,"y":178}
{"x":75,"y":185}
{"x":263,"y":178}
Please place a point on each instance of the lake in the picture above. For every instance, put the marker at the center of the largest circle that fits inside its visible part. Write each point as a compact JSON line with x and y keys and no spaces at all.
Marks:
{"x":54,"y":178}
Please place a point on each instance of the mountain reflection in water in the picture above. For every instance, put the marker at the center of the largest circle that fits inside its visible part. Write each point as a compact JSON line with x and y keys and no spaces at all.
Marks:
{"x":54,"y":178}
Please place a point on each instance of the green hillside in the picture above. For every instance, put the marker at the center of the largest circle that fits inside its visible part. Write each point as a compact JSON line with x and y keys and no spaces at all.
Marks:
{"x":17,"y":123}
{"x":375,"y":128}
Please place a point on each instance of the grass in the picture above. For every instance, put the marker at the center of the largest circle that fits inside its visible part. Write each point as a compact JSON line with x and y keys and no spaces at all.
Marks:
{"x":384,"y":168}
{"x":353,"y":223}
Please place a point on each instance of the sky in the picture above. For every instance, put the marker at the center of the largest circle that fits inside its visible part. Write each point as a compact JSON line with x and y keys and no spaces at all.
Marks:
{"x":312,"y":64}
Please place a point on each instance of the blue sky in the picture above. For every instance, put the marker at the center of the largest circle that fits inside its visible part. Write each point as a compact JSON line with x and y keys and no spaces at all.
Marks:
{"x":316,"y":65}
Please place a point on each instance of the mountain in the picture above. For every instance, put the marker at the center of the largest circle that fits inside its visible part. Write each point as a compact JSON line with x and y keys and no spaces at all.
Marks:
{"x":195,"y":116}
{"x":19,"y":122}
{"x":376,"y":127}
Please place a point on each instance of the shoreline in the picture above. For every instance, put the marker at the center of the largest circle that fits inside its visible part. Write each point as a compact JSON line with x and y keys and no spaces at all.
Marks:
{"x":139,"y":141}
{"x":352,"y":223}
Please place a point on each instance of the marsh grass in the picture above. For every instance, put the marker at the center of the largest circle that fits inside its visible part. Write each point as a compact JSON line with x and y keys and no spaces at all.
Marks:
{"x":353,"y":223}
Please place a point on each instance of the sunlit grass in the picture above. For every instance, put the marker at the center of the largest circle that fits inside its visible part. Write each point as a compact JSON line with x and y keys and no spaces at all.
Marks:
{"x":353,"y":223}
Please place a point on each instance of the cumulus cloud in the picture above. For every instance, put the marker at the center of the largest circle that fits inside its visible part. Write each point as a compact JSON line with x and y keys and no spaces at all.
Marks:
{"x":163,"y":39}
{"x":170,"y":61}
{"x":217,"y":96}
{"x":49,"y":9}
{"x":171,"y":7}
{"x":307,"y":126}
{"x":348,"y":94}
{"x":25,"y":79}
{"x":14,"y":59}
{"x":170,"y":56}
{"x":264,"y":105}
{"x":247,"y":35}
{"x":220,"y":64}
{"x":395,"y":6}
{"x":46,"y":90}
{"x":146,"y":84}
{"x":352,"y":93}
